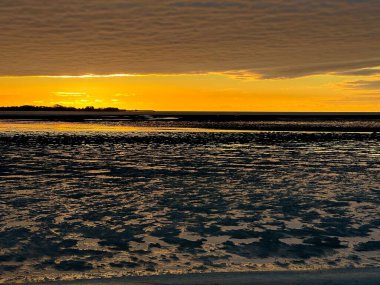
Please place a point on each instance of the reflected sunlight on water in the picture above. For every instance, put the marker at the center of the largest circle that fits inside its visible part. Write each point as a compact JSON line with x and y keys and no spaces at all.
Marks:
{"x":78,"y":127}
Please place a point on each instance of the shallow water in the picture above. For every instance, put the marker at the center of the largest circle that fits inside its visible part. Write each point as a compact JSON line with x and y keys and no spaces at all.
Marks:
{"x":91,"y":127}
{"x":97,"y":202}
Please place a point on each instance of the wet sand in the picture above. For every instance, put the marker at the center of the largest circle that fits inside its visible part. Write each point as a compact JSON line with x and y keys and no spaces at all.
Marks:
{"x":369,"y":276}
{"x":82,"y":202}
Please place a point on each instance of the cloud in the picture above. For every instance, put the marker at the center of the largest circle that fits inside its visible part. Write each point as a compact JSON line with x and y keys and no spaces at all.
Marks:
{"x":69,"y":94}
{"x":241,"y":74}
{"x":360,"y":72}
{"x":363,"y":85}
{"x":273,"y":38}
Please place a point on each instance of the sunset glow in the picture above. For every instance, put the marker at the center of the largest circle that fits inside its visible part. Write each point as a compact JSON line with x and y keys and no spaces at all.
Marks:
{"x":206,"y":92}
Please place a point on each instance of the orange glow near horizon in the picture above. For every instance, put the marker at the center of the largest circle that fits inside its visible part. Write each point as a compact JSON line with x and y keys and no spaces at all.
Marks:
{"x":198,"y":92}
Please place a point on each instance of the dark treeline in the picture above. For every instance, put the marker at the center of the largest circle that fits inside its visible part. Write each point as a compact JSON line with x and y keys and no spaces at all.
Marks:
{"x":57,"y":108}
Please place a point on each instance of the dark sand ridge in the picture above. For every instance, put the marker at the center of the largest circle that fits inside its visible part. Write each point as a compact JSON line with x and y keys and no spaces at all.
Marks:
{"x":269,"y":121}
{"x":370,"y":276}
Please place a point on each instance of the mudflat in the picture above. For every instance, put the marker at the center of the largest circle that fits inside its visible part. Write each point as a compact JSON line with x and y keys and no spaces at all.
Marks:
{"x":369,"y":276}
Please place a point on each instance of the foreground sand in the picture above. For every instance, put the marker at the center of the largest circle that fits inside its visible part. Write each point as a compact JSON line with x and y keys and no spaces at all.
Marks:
{"x":369,"y":276}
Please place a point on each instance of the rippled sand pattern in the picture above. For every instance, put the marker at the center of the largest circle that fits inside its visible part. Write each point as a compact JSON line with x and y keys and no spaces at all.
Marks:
{"x":102,"y":205}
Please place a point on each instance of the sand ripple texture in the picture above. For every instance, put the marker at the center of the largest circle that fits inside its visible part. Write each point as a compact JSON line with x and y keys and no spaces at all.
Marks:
{"x":112,"y":204}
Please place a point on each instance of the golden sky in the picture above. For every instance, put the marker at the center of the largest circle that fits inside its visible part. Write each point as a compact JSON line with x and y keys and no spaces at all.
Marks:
{"x":209,"y":92}
{"x":241,"y":55}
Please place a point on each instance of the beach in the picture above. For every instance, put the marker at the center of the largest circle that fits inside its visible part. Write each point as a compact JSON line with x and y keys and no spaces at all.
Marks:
{"x":187,"y":202}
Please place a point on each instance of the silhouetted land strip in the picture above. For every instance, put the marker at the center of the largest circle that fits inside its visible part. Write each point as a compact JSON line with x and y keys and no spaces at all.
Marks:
{"x":336,"y":277}
{"x":58,"y":108}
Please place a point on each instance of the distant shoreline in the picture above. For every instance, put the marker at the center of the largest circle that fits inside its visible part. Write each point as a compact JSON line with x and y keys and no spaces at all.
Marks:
{"x":188,"y":114}
{"x":367,"y":276}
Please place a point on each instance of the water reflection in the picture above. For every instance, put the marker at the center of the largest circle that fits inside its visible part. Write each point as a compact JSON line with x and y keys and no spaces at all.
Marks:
{"x":91,"y":127}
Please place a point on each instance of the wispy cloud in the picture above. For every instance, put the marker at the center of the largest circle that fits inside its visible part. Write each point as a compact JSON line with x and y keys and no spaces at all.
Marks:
{"x":363,"y":85}
{"x":360,"y":72}
{"x":241,"y":74}
{"x":70,"y":94}
{"x":90,"y":75}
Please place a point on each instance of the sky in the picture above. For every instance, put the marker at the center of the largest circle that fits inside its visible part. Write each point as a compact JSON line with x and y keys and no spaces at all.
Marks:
{"x":217,"y":55}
